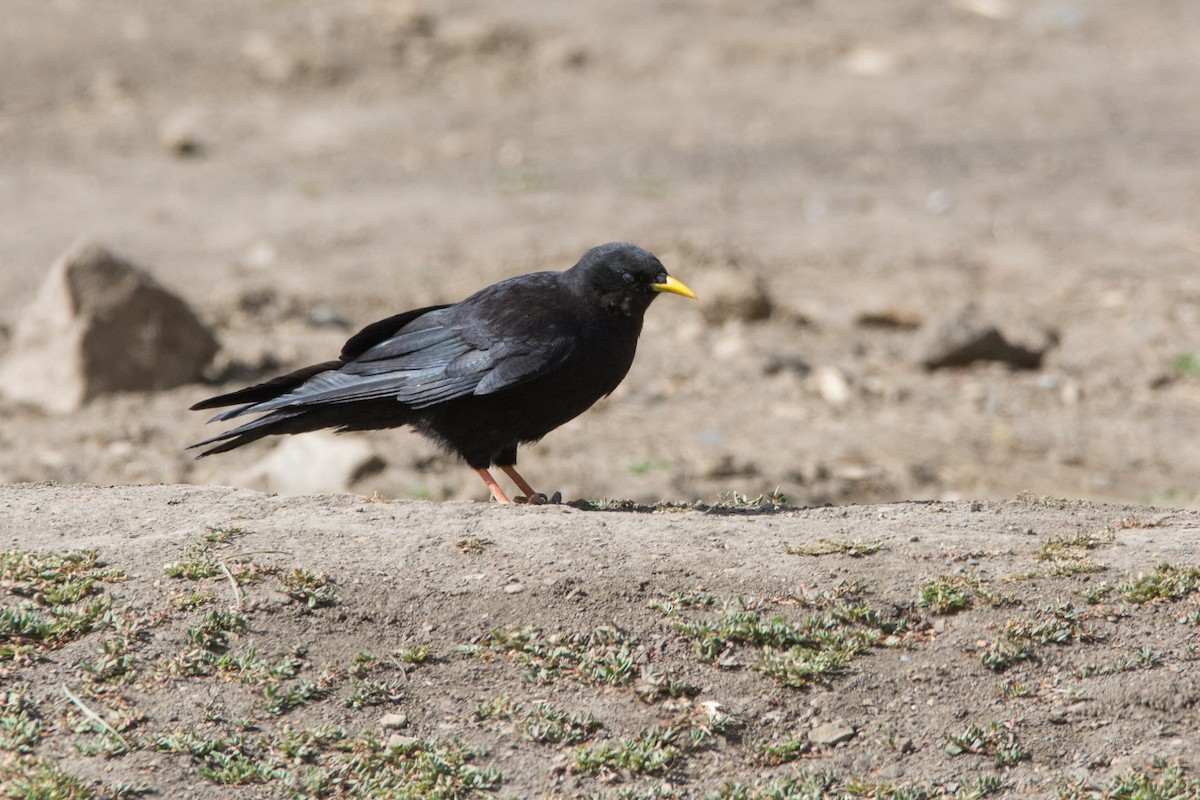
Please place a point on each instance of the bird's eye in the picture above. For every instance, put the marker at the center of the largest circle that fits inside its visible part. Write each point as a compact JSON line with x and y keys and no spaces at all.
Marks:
{"x":628,"y":277}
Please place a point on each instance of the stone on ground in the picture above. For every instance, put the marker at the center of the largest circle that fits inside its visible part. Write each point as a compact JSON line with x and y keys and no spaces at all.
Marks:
{"x":831,"y":732}
{"x":964,"y":336}
{"x":97,"y":326}
{"x":314,"y":462}
{"x":733,"y":294}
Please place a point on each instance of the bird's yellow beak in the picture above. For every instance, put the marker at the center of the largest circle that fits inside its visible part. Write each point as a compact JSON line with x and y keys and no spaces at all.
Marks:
{"x":674,"y":287}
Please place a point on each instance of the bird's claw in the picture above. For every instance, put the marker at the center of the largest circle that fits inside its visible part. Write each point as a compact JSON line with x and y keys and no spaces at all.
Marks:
{"x":538,"y":499}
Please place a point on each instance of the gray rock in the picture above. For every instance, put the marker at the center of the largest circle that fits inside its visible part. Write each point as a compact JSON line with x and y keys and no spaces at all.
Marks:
{"x":315,"y":462}
{"x":101,"y":325}
{"x":180,"y":135}
{"x":831,"y":733}
{"x":393,"y":721}
{"x":398,"y":740}
{"x":733,"y":294}
{"x":724,"y":465}
{"x":832,"y":384}
{"x":777,"y":363}
{"x":963,"y":337}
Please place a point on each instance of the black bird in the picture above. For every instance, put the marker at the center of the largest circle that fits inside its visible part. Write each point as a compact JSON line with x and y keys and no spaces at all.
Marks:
{"x":503,"y":367}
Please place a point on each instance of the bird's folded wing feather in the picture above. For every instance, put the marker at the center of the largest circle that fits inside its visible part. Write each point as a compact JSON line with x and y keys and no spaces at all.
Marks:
{"x":437,"y":357}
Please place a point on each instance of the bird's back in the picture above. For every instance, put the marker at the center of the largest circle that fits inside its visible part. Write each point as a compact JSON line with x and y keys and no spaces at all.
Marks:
{"x":578,"y":354}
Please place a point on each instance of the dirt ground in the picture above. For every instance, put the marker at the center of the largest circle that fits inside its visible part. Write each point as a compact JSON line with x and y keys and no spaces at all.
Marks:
{"x":296,"y":170}
{"x":1086,"y":678}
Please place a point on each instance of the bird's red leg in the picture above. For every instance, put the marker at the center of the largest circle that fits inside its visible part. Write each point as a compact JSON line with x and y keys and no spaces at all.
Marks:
{"x":493,"y":487}
{"x":521,"y":483}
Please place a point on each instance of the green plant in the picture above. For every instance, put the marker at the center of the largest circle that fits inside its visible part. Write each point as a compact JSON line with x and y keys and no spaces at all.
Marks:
{"x":282,"y":698}
{"x":114,"y":664}
{"x":1167,"y":582}
{"x":783,"y":752}
{"x":541,"y":722}
{"x":1186,"y":364}
{"x":737,"y":501}
{"x":1094,"y":595}
{"x":417,"y":654}
{"x":193,"y":568}
{"x":998,"y":740}
{"x":1159,"y":782}
{"x":375,"y":693}
{"x":1060,"y":624}
{"x":312,"y":589}
{"x":947,"y":594}
{"x":1147,"y":659}
{"x":649,"y":753}
{"x":671,"y":604}
{"x":473,"y":545}
{"x":855,"y":548}
{"x":212,"y":632}
{"x":601,"y":656}
{"x":20,"y":722}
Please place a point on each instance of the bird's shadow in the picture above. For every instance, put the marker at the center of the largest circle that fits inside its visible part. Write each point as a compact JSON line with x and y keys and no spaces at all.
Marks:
{"x":750,"y":509}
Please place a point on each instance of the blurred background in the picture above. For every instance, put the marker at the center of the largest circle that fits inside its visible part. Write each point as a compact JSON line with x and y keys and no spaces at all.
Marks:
{"x":943,"y":248}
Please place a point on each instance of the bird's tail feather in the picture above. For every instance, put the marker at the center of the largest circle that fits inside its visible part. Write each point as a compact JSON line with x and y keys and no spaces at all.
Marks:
{"x":291,"y":420}
{"x":362,"y":415}
{"x":276,"y":387}
{"x":285,"y":420}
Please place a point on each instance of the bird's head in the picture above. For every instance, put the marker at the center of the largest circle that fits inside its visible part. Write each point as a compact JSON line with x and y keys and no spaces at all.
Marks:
{"x":625,"y":279}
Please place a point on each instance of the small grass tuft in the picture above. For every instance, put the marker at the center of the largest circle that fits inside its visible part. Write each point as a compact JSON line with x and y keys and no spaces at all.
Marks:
{"x":222,"y":534}
{"x":794,"y":653}
{"x":1160,"y":782}
{"x":736,"y":501}
{"x":20,"y":722}
{"x":604,"y":656}
{"x":1015,"y":689}
{"x":1167,"y":582}
{"x":783,"y":752}
{"x":541,"y":722}
{"x":1147,"y":658}
{"x":212,"y":632}
{"x":1186,"y":364}
{"x":193,"y":568}
{"x":65,"y":600}
{"x":55,"y":578}
{"x":41,"y":779}
{"x":376,"y":693}
{"x":671,"y":604}
{"x":855,"y":548}
{"x":282,"y":698}
{"x":948,"y":594}
{"x":417,"y":654}
{"x":473,"y":545}
{"x":1062,"y":548}
{"x":998,"y":740}
{"x":113,"y":665}
{"x":362,"y":664}
{"x":651,"y":752}
{"x":1094,"y":595}
{"x":824,"y":785}
{"x":313,"y":589}
{"x":1060,"y":625}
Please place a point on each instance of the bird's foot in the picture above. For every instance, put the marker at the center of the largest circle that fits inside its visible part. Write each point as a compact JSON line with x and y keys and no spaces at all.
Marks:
{"x":536,"y":499}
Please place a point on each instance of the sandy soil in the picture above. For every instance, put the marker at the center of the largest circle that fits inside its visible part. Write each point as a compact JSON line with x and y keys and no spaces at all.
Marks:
{"x":1087,"y":704}
{"x":298,"y":169}
{"x":911,"y":158}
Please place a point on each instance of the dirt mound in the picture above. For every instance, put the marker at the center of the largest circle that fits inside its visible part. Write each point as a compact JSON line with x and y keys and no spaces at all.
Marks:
{"x":199,"y":639}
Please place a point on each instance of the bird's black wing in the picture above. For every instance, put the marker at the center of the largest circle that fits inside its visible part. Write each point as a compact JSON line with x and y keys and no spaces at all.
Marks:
{"x":503,"y":336}
{"x":498,"y":338}
{"x":380,"y":331}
